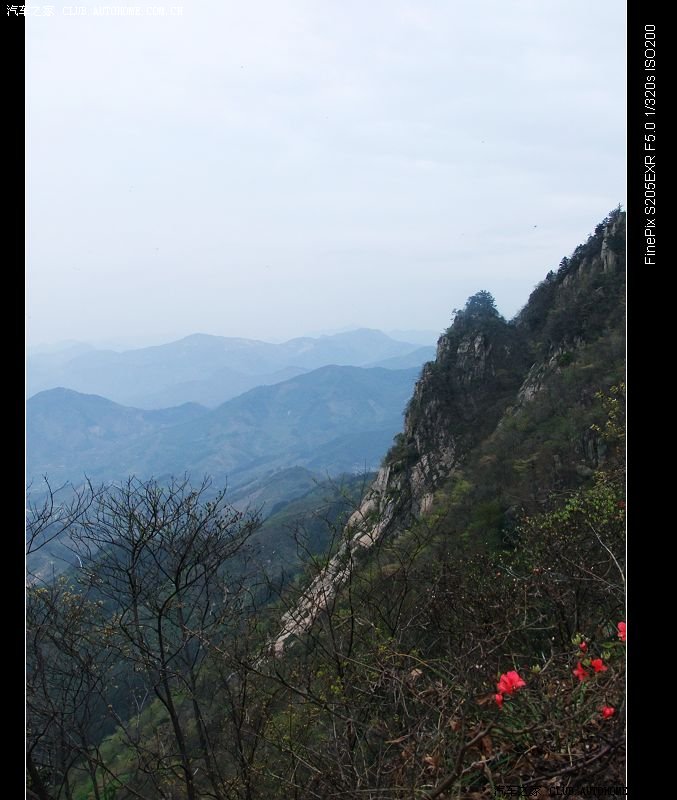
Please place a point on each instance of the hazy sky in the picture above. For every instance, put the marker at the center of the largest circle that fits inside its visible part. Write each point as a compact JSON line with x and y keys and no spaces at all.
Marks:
{"x":266,"y":169}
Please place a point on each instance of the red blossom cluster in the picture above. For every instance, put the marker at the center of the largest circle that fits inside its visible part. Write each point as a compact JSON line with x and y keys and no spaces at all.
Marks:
{"x":598,"y":666}
{"x":507,"y":684}
{"x":511,"y":681}
{"x":596,"y":663}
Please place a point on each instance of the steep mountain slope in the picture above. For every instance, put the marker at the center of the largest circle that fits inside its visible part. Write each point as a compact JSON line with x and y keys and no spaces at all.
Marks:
{"x":503,"y":415}
{"x":333,"y":419}
{"x":479,"y":589}
{"x":202,"y":368}
{"x":486,"y":370}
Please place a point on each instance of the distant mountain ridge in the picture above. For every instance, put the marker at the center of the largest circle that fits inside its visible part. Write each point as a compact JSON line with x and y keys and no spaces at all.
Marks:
{"x":66,"y":429}
{"x":330,"y":420}
{"x":414,"y":359}
{"x":209,"y":369}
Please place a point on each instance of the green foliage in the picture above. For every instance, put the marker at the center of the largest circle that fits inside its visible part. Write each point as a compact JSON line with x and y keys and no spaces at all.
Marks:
{"x":389,"y":688}
{"x":579,"y":302}
{"x":479,"y":306}
{"x":402,"y":670}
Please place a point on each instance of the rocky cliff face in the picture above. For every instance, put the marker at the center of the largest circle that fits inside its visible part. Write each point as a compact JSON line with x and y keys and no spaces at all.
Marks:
{"x":459,"y":397}
{"x":484,"y":368}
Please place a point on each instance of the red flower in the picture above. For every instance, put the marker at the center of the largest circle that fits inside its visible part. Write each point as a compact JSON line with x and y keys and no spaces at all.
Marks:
{"x":598,"y":665}
{"x":621,"y":503}
{"x":509,"y":682}
{"x":583,"y":646}
{"x":580,"y":672}
{"x":608,"y":711}
{"x":499,"y":700}
{"x":621,"y":631}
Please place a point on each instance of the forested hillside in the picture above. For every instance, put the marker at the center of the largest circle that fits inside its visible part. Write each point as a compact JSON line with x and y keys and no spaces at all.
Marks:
{"x":453,"y":628}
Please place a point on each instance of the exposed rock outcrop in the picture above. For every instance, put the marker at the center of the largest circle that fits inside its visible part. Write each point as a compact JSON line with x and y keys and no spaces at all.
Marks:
{"x":484,"y":369}
{"x":459,"y":397}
